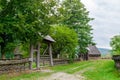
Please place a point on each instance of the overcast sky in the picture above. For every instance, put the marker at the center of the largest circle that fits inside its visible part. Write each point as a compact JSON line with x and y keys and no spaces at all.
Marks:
{"x":107,"y":20}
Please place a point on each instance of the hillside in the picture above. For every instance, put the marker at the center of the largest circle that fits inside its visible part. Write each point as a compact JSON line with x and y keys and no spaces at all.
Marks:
{"x":104,"y":50}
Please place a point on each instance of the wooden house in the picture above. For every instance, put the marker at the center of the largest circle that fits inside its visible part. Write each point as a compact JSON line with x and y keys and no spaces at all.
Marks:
{"x":93,"y":52}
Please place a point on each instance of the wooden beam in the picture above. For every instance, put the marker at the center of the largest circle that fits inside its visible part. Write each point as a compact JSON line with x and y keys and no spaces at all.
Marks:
{"x":31,"y":56}
{"x":50,"y":53}
{"x":38,"y":57}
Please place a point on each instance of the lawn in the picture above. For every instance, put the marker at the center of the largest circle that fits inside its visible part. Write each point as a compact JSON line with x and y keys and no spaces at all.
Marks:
{"x":103,"y":70}
{"x":91,"y":70}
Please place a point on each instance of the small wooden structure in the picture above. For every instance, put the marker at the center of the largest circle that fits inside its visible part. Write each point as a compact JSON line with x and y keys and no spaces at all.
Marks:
{"x":20,"y":64}
{"x":93,"y":52}
{"x":36,"y":49}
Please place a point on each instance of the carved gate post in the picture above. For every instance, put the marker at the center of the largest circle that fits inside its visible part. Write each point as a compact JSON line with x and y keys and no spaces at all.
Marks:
{"x":32,"y":51}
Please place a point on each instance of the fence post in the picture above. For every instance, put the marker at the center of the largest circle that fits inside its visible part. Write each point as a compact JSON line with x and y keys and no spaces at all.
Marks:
{"x":50,"y":53}
{"x":38,"y":56}
{"x":31,"y":56}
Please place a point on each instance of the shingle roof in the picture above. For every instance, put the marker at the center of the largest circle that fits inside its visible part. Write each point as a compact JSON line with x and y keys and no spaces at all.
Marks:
{"x":93,"y":50}
{"x":49,"y":38}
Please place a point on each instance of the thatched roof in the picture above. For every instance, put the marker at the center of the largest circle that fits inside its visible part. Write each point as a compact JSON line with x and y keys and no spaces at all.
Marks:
{"x":93,"y":50}
{"x":49,"y":38}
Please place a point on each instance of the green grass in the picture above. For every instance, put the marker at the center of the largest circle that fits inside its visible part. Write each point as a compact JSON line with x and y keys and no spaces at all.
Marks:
{"x":32,"y":76}
{"x":24,"y":76}
{"x":72,"y":68}
{"x":103,"y":70}
{"x":92,"y":70}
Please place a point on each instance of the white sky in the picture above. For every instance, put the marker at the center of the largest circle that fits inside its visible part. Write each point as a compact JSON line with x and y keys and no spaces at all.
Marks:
{"x":107,"y":20}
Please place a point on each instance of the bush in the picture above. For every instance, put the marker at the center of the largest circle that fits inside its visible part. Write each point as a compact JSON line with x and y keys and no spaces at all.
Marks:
{"x":115,"y":44}
{"x":66,"y":41}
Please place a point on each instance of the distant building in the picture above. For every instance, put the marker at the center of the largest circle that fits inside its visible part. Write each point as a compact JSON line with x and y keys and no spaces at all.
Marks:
{"x":93,"y":52}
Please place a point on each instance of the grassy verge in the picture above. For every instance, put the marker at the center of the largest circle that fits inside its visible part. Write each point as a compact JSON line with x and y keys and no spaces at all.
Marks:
{"x":103,"y":70}
{"x":24,"y":76}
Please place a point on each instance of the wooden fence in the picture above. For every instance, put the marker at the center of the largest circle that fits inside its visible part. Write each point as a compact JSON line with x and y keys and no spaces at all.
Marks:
{"x":116,"y":59}
{"x":14,"y":65}
{"x":17,"y":65}
{"x":60,"y":61}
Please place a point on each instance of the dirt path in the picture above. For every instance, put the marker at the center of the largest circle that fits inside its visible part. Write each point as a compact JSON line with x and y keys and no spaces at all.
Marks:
{"x":64,"y":76}
{"x":84,"y":70}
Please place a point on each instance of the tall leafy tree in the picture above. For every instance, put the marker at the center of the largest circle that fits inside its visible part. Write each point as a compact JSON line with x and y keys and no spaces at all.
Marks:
{"x":74,"y":14}
{"x":22,"y":21}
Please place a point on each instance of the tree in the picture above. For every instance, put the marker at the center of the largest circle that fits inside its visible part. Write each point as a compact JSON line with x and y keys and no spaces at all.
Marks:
{"x":66,"y":40}
{"x":115,"y":44}
{"x":74,"y":14}
{"x":21,"y":21}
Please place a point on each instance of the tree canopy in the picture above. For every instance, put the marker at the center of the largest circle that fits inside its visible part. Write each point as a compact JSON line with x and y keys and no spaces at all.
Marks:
{"x":74,"y":14}
{"x":21,"y":21}
{"x":24,"y":21}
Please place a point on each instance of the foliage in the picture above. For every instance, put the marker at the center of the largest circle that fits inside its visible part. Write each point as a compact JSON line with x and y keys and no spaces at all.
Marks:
{"x":115,"y":44}
{"x":66,"y":40}
{"x":74,"y":15}
{"x":21,"y":21}
{"x":27,"y":21}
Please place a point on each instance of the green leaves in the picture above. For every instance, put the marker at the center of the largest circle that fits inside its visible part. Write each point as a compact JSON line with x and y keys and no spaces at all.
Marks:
{"x":22,"y":20}
{"x":115,"y":44}
{"x":75,"y":15}
{"x":66,"y":40}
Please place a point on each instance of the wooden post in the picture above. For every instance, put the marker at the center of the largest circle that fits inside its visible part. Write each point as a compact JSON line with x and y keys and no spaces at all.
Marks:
{"x":31,"y":56}
{"x":0,"y":52}
{"x":50,"y":53}
{"x":38,"y":56}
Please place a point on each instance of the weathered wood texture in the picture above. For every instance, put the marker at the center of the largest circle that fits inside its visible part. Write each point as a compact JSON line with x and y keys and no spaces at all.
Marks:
{"x":93,"y":52}
{"x":60,"y":61}
{"x":116,"y":59}
{"x":63,"y":61}
{"x":94,"y":57}
{"x":44,"y":60}
{"x":50,"y":53}
{"x":35,"y":50}
{"x":7,"y":66}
